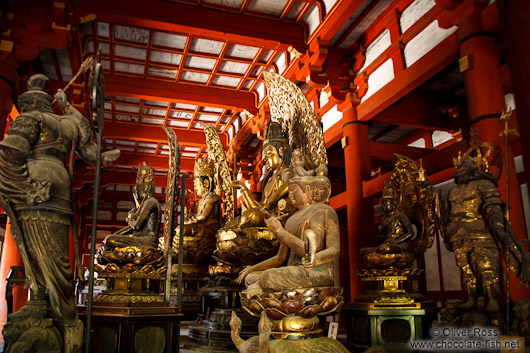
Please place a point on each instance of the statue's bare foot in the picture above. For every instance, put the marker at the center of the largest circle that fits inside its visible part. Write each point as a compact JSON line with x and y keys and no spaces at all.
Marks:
{"x":254,"y":290}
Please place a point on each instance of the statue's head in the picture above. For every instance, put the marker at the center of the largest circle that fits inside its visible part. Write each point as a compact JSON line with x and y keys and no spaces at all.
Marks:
{"x":320,"y":189}
{"x":388,"y":198}
{"x":203,"y":178}
{"x":465,"y":169}
{"x":300,"y":190}
{"x":145,"y":181}
{"x":276,"y":150}
{"x":36,"y":98}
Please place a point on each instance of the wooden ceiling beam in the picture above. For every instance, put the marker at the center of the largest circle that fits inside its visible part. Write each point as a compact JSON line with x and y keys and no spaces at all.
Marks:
{"x":198,"y":21}
{"x":128,"y":131}
{"x":117,"y":85}
{"x":418,"y":111}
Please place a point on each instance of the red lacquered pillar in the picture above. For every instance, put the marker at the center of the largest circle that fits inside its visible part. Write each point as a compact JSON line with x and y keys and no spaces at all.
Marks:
{"x":360,"y":211}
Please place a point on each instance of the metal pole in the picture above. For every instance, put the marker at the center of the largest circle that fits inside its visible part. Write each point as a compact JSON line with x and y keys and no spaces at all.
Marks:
{"x":181,"y":243}
{"x":507,"y":225}
{"x":99,"y":140}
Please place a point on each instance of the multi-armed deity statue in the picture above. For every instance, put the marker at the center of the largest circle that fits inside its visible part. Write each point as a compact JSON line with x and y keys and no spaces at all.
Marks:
{"x":35,"y":192}
{"x":291,"y":288}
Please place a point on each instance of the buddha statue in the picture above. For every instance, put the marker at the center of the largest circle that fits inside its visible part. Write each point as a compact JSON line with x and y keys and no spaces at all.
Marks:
{"x":318,"y":217}
{"x":137,"y":242}
{"x":395,"y":229}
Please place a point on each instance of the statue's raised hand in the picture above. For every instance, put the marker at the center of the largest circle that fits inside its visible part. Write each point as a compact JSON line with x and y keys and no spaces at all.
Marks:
{"x":274,"y":224}
{"x":60,"y":97}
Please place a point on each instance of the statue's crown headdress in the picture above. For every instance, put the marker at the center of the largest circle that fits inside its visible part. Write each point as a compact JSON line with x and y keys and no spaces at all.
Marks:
{"x":389,"y":191}
{"x":274,"y":135}
{"x":145,"y":174}
{"x":204,"y":167}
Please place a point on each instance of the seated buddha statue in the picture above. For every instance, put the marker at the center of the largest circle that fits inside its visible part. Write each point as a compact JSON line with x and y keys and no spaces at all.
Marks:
{"x":290,"y":268}
{"x":143,"y":223}
{"x":395,"y":229}
{"x":200,"y":229}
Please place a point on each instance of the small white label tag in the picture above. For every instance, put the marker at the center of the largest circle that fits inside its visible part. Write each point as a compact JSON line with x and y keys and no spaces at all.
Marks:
{"x":333,"y":330}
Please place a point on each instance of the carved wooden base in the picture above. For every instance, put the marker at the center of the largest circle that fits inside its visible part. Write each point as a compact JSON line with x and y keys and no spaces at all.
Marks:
{"x":134,"y":328}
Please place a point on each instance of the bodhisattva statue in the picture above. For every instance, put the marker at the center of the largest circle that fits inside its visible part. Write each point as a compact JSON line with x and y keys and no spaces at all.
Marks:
{"x":287,"y":270}
{"x":200,"y":229}
{"x":37,"y":186}
{"x":276,"y":154}
{"x":475,"y":225}
{"x":298,"y":283}
{"x":143,"y":227}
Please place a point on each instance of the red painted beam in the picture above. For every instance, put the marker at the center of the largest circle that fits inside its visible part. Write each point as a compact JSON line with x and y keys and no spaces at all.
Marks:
{"x":339,"y":201}
{"x":131,"y":159}
{"x":385,"y":151}
{"x":127,"y":131}
{"x":116,"y":85}
{"x":417,"y":111}
{"x":198,"y":21}
{"x":436,"y":162}
{"x":336,"y":18}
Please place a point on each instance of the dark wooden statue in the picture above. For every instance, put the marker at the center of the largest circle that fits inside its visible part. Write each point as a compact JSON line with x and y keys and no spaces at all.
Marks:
{"x":35,"y":190}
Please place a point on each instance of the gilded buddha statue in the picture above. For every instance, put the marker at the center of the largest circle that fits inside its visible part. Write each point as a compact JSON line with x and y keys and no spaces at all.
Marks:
{"x":276,"y":155}
{"x":321,"y":219}
{"x":211,"y":179}
{"x":144,"y":219}
{"x":290,"y":289}
{"x":409,"y":224}
{"x":295,"y":285}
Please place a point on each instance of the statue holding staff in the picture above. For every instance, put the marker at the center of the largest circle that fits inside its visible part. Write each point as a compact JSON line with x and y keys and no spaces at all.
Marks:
{"x":35,"y":189}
